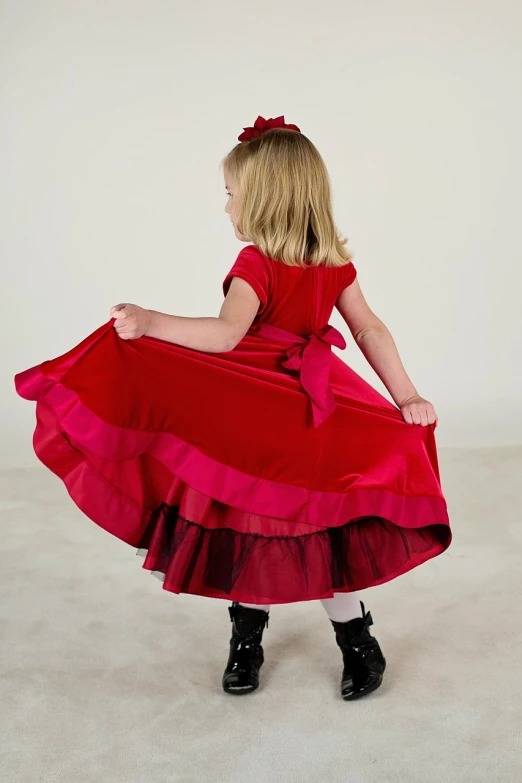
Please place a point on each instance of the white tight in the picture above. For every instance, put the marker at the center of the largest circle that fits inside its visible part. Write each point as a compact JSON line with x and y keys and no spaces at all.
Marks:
{"x":340,"y":608}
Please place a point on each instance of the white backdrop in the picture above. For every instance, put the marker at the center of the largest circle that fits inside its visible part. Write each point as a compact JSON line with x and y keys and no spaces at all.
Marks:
{"x":115,"y":116}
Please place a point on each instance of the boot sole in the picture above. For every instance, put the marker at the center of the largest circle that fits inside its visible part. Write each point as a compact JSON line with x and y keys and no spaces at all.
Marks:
{"x":240,"y":691}
{"x":352,"y":697}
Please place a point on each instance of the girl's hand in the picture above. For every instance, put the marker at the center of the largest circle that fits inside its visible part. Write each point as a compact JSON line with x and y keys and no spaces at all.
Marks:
{"x":416,"y":410}
{"x":131,"y":321}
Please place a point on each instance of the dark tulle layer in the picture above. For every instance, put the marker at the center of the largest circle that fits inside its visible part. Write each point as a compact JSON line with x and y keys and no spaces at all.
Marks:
{"x":225,"y":563}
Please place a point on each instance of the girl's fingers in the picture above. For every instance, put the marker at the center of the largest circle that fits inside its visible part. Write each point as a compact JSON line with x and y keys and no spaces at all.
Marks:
{"x":118,"y":311}
{"x":127,"y":330}
{"x":423,"y":416}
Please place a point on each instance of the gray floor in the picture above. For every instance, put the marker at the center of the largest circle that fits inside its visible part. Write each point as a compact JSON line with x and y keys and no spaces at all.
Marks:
{"x":107,"y":678}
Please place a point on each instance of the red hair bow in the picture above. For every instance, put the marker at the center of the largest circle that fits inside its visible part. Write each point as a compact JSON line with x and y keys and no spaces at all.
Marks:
{"x":262,"y":126}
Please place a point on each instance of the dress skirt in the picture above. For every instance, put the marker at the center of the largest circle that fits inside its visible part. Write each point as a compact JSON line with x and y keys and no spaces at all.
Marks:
{"x":215,"y":469}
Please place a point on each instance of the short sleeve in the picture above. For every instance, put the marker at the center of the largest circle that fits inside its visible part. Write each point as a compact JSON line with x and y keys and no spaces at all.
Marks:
{"x":350,"y":275}
{"x":251,"y":265}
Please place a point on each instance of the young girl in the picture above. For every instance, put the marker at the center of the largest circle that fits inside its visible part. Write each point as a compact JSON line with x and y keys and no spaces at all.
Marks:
{"x":239,"y":454}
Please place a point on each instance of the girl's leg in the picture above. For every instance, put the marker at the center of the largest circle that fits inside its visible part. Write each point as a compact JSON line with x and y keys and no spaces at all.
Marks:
{"x":264,"y":607}
{"x":363,"y":661}
{"x":343,"y":607}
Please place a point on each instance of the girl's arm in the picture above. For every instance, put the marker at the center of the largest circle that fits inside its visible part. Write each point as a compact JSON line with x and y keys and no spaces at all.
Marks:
{"x":213,"y":335}
{"x":378,"y":347}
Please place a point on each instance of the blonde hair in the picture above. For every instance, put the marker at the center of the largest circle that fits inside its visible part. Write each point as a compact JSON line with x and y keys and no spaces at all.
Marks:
{"x":284,"y":199}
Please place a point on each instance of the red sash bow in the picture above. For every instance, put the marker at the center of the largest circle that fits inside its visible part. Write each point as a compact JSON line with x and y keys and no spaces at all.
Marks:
{"x":310,"y":356}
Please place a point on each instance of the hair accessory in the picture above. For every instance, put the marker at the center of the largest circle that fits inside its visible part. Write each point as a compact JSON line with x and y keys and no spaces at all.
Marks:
{"x":262,"y":126}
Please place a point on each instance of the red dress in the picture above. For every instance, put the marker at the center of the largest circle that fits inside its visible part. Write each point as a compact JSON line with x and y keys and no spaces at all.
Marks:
{"x":268,"y":474}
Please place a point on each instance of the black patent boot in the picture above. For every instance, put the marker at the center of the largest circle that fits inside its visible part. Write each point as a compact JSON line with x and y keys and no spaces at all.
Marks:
{"x":246,"y":653}
{"x":363,"y":660}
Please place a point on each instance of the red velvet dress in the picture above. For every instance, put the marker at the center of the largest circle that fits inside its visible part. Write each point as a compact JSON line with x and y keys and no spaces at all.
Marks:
{"x":268,"y":474}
